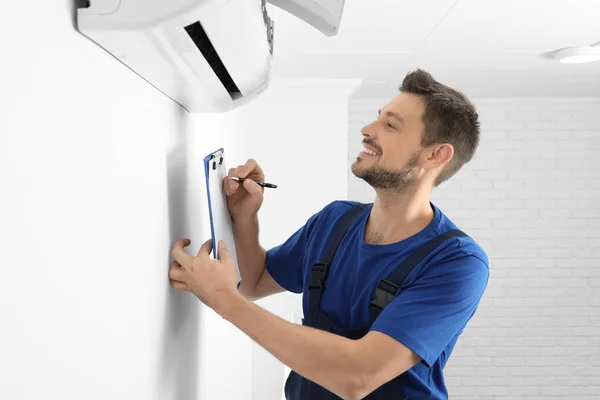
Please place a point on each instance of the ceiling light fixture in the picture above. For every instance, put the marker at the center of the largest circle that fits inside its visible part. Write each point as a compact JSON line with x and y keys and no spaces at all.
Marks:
{"x":579,"y":54}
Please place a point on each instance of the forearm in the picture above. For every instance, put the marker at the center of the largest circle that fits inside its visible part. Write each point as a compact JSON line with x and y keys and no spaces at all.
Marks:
{"x":251,"y":256}
{"x":329,"y":360}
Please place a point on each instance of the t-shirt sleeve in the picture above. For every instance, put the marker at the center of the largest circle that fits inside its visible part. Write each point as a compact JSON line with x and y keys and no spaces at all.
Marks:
{"x":428,"y":314}
{"x":285,"y":261}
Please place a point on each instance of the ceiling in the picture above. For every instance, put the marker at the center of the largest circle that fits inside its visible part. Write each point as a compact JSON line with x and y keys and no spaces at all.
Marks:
{"x":485,"y":48}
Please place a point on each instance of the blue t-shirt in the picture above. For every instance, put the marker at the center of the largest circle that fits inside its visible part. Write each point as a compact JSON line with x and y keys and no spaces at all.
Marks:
{"x":432,"y":308}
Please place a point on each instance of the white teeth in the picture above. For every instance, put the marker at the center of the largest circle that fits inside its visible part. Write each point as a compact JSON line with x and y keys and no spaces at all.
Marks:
{"x":369,"y":151}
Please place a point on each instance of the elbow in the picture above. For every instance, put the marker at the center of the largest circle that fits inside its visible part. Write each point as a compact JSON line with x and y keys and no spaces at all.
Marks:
{"x":252,"y":296}
{"x":353,"y":394}
{"x":360,"y":378}
{"x":357,"y":387}
{"x":350,"y":386}
{"x":248,"y":291}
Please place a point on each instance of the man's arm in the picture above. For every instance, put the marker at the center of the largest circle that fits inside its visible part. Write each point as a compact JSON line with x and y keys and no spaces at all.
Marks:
{"x":256,"y":280}
{"x":349,"y":368}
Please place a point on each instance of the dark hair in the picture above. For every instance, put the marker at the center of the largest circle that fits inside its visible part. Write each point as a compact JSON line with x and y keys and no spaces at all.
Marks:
{"x":449,"y":118}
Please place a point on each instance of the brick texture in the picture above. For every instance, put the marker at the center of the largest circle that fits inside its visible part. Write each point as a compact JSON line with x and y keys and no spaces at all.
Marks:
{"x":531,"y":198}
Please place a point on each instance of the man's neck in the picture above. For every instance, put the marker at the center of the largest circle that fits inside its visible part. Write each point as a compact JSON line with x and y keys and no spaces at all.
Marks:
{"x":398,"y":215}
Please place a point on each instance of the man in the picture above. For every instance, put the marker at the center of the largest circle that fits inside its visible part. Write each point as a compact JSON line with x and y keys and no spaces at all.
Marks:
{"x":383,"y":313}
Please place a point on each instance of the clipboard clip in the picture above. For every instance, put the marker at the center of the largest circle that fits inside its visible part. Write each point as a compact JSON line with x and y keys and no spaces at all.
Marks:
{"x":217,"y":154}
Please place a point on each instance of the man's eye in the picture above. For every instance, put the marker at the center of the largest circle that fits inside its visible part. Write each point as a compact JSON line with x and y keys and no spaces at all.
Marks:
{"x":391,"y":126}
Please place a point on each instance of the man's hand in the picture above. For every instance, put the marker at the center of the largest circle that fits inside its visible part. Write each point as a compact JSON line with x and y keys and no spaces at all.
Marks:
{"x":244,"y":201}
{"x":214,"y":282}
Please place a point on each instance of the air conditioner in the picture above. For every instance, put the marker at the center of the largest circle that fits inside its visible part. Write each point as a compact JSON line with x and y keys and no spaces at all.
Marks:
{"x":207,"y":55}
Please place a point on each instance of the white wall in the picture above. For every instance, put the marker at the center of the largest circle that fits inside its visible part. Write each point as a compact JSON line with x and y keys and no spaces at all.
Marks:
{"x":93,"y":173}
{"x":531,"y":198}
{"x":100,"y":174}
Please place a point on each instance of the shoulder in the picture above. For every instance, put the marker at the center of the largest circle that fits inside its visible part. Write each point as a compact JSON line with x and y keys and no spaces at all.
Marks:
{"x":460,"y":262}
{"x":461,"y":267}
{"x":465,"y":250}
{"x":467,"y":247}
{"x":457,"y":275}
{"x":461,"y":247}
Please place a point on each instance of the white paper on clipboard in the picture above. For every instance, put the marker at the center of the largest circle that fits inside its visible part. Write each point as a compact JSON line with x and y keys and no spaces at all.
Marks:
{"x":220,"y":219}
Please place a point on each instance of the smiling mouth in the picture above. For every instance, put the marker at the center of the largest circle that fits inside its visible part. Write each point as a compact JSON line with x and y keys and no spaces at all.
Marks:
{"x":368,"y":152}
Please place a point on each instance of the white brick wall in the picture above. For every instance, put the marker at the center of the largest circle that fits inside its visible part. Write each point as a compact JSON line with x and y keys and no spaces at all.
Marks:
{"x":531,"y":198}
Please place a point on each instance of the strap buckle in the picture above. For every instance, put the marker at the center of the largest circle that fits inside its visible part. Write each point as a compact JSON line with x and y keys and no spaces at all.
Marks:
{"x":318,"y":274}
{"x":384,"y":293}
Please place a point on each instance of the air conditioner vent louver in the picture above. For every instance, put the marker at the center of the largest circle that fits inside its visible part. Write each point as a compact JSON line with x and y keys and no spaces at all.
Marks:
{"x":198,"y":35}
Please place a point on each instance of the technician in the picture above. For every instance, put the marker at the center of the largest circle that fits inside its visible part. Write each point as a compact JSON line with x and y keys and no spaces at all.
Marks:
{"x":387,"y":287}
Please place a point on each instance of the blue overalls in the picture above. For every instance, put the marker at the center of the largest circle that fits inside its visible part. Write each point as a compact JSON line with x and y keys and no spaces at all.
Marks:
{"x":299,"y":388}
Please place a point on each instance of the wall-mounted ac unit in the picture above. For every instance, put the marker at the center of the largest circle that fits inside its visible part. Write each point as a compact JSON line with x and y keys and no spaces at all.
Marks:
{"x":207,"y":55}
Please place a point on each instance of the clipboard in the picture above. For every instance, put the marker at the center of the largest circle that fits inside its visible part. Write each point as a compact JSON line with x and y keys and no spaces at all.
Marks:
{"x":220,"y":220}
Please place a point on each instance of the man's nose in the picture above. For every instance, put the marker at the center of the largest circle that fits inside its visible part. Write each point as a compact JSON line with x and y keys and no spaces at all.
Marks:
{"x":367,"y":130}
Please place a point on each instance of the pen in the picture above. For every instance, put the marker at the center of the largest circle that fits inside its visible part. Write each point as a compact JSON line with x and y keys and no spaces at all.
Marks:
{"x":263,"y":184}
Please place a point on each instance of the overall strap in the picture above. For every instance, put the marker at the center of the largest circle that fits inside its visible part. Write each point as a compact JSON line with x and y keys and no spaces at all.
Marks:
{"x":320,"y":270}
{"x":387,"y":288}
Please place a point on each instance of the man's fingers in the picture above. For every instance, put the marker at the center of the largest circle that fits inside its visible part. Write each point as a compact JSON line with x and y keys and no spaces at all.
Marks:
{"x":250,"y":166}
{"x":245,"y":170}
{"x":180,"y":286}
{"x":237,"y":171}
{"x":179,"y":253}
{"x":223,"y":251}
{"x":176,"y":273}
{"x":254,"y":167}
{"x":229,"y":185}
{"x":205,"y":249}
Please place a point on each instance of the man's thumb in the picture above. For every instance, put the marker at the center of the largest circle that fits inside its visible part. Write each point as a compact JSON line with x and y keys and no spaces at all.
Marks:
{"x":252,"y":187}
{"x":223,"y":251}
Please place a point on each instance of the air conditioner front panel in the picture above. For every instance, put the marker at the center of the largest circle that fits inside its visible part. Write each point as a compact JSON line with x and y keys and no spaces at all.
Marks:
{"x":167,"y":57}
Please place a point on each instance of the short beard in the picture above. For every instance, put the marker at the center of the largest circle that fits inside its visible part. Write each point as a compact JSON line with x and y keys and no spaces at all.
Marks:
{"x":379,"y":178}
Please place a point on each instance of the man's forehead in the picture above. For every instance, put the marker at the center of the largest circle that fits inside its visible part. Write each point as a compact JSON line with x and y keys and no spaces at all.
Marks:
{"x":408,"y":105}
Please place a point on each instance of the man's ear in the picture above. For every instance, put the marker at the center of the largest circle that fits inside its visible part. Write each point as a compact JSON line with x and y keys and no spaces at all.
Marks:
{"x":438,"y":156}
